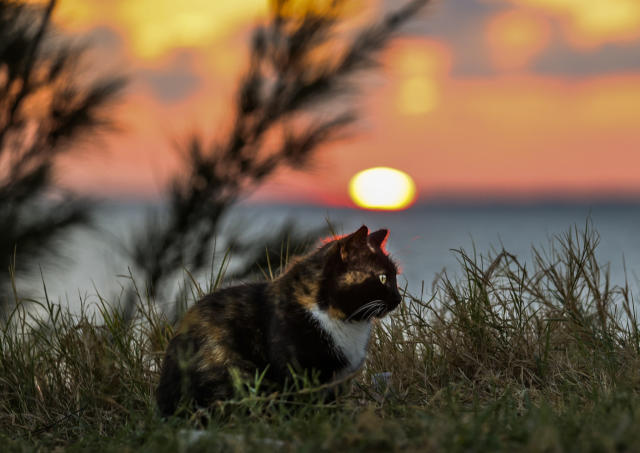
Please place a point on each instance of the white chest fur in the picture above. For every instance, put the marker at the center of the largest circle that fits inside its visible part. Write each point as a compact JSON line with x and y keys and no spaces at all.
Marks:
{"x":349,"y":338}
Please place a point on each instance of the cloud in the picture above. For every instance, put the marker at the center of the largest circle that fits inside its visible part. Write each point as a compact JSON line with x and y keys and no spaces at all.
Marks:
{"x":173,"y":82}
{"x":605,"y":60}
{"x":515,"y":37}
{"x":154,"y":28}
{"x":592,"y":23}
{"x":462,"y":25}
{"x":417,"y":68}
{"x":459,"y":24}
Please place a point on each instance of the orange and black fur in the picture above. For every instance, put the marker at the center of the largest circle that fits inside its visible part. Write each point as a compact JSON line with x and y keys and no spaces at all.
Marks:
{"x":316,"y":316}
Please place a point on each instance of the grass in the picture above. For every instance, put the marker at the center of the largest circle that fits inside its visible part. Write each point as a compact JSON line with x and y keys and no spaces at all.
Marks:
{"x":542,"y":356}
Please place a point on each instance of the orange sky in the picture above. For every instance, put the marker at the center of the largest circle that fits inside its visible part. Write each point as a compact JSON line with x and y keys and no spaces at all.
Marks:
{"x":481,"y":97}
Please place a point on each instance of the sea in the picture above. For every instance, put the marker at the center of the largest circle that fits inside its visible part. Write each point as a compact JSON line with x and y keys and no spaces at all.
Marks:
{"x":424,"y":240}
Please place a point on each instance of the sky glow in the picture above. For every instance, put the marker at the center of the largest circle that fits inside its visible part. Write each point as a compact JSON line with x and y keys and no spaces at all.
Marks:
{"x":518,"y":98}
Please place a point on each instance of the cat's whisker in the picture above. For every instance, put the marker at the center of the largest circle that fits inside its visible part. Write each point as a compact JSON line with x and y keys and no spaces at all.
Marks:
{"x":361,"y":309}
{"x":381,"y":309}
{"x":380,"y":306}
{"x":367,"y":312}
{"x":371,"y":312}
{"x":364,"y":308}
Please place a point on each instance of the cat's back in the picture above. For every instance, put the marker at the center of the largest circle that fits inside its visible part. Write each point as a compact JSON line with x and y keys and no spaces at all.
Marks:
{"x":224,"y":327}
{"x":241,"y":300}
{"x":233,"y":315}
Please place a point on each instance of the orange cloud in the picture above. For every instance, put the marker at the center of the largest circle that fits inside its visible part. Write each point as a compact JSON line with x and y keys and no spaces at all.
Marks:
{"x":591,"y":23}
{"x":418,"y":66}
{"x":516,"y":37}
{"x":154,"y":28}
{"x":295,"y":8}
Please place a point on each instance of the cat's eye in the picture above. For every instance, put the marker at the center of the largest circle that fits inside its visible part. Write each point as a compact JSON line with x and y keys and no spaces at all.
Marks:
{"x":383,"y":278}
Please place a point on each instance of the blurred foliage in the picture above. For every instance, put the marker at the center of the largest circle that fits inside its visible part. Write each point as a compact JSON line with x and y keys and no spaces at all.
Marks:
{"x":286,"y":108}
{"x":46,"y":104}
{"x":268,"y":255}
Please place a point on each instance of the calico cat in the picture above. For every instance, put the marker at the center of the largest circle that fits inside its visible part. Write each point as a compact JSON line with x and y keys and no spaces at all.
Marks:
{"x":315,"y":316}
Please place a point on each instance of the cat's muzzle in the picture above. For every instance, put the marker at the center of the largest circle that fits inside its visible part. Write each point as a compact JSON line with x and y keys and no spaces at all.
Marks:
{"x":390,"y":306}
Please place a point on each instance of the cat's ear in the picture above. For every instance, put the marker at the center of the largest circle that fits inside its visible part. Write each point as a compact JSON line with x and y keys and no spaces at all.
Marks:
{"x":358,"y":237}
{"x":353,"y":243}
{"x":378,"y":238}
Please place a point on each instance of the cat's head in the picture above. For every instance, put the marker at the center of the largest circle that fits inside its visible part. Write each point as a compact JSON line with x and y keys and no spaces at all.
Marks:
{"x":359,"y":278}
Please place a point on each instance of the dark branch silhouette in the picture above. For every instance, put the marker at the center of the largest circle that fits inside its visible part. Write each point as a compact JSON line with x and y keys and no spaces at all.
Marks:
{"x":285,"y":111}
{"x":46,"y":105}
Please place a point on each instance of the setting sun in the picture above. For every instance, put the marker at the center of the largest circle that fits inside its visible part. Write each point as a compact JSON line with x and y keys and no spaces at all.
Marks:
{"x":382,"y":188}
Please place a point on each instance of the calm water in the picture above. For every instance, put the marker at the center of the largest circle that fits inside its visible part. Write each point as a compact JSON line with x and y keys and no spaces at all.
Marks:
{"x":421,"y":239}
